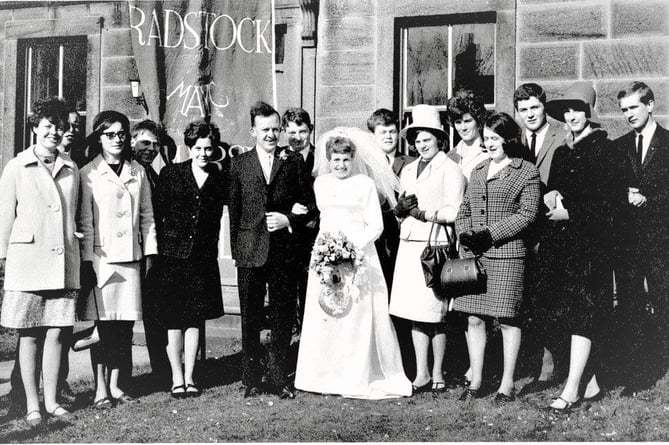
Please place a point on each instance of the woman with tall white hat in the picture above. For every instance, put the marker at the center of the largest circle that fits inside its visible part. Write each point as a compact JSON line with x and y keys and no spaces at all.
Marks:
{"x":432,"y":188}
{"x":576,"y":280}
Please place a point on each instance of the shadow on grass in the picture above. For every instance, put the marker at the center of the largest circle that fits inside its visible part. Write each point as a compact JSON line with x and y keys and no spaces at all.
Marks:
{"x":24,"y":433}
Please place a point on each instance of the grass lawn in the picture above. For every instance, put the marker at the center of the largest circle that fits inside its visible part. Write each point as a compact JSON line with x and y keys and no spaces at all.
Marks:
{"x":223,"y":415}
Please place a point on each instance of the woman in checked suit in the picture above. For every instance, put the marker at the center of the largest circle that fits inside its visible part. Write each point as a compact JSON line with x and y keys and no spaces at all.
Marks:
{"x":501,"y":201}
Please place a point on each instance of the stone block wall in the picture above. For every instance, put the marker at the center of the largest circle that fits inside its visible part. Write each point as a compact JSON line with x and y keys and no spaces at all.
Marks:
{"x":608,"y":42}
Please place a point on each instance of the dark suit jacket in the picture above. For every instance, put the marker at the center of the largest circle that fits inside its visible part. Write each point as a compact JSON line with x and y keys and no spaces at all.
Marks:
{"x":400,"y":162}
{"x":554,"y":138}
{"x":251,"y":197}
{"x":647,"y":227}
{"x":188,"y":219}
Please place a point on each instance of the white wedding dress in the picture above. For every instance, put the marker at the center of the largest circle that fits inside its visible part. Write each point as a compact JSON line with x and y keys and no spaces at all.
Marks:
{"x":354,"y":353}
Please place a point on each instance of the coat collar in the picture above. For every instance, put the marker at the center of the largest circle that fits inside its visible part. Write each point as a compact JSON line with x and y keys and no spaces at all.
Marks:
{"x":438,"y":161}
{"x":27,"y":157}
{"x":129,"y":172}
{"x":482,"y":168}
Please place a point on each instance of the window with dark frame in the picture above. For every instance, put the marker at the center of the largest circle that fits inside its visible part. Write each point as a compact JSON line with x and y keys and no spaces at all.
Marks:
{"x":49,"y":67}
{"x":437,"y":55}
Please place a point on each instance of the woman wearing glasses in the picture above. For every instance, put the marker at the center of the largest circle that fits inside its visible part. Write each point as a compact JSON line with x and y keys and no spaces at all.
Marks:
{"x":117,"y":222}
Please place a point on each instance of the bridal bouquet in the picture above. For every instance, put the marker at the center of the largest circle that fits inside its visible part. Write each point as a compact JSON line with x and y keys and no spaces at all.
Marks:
{"x":335,"y":260}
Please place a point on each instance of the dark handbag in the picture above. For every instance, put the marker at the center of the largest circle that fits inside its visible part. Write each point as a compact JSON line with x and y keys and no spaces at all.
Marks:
{"x":462,"y":272}
{"x":433,"y":258}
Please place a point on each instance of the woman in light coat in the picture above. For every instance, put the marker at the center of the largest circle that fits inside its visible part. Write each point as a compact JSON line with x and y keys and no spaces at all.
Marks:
{"x":40,"y":251}
{"x":432,"y":189}
{"x":118,"y":226}
{"x":501,"y":202}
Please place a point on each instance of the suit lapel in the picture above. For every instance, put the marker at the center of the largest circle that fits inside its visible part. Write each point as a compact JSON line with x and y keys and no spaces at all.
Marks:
{"x":630,"y":151}
{"x":546,"y":145}
{"x":256,"y":167}
{"x":652,"y":148}
{"x":398,"y":163}
{"x":278,"y":161}
{"x":108,"y":174}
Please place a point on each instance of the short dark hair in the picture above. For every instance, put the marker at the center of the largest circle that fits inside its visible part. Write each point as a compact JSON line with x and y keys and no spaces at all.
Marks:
{"x":297,"y":115}
{"x":339,"y":145}
{"x":52,"y":109}
{"x":101,"y":122}
{"x":506,"y":127}
{"x":412,"y":134}
{"x":382,"y":116}
{"x":146,"y":125}
{"x":463,"y":102}
{"x":201,"y":130}
{"x":645,"y":93}
{"x":263,"y":109}
{"x":527,"y":90}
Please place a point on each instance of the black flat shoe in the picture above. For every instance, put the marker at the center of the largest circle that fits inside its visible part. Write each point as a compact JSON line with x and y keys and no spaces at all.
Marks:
{"x":422,"y":388}
{"x":469,"y":394}
{"x":502,"y":399}
{"x":567,"y":408}
{"x":596,"y":398}
{"x":192,"y":390}
{"x":102,"y":404}
{"x":124,"y":398}
{"x":439,"y":387}
{"x":179,"y":392}
{"x":251,"y":391}
{"x":535,"y":386}
{"x":286,"y":393}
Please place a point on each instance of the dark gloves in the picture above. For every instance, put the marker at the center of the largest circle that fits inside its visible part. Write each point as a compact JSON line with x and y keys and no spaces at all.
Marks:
{"x":477,"y":242}
{"x":405,"y":204}
{"x":418,"y":214}
{"x":87,"y":276}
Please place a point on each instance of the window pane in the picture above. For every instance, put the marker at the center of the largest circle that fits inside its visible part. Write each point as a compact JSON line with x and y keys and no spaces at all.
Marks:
{"x":474,"y":59}
{"x":427,"y":65}
{"x":44,"y":68}
{"x":74,"y":72}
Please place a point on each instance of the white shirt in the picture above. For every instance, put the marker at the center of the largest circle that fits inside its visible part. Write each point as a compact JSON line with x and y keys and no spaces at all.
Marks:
{"x":266,"y":160}
{"x":541,"y":135}
{"x":647,"y":133}
{"x":468,"y":157}
{"x":495,"y":167}
{"x":200,"y":175}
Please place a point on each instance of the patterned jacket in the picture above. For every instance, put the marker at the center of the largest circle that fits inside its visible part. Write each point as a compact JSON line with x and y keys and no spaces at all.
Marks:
{"x":506,"y":205}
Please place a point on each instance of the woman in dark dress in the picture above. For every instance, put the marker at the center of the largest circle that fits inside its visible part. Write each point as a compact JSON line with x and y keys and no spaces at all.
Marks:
{"x":584,"y":192}
{"x":188,"y":204}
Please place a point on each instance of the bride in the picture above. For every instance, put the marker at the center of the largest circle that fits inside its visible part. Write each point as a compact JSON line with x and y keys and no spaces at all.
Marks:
{"x":348,"y":345}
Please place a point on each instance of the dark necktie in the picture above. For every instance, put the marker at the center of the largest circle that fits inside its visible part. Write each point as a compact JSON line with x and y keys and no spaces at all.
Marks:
{"x":639,"y":150}
{"x":533,"y":145}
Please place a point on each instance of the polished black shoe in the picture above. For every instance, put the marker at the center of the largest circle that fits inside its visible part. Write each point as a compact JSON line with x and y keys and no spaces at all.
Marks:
{"x":422,"y":388}
{"x":469,"y":394}
{"x":251,"y":391}
{"x":286,"y":392}
{"x":535,"y":385}
{"x":502,"y":399}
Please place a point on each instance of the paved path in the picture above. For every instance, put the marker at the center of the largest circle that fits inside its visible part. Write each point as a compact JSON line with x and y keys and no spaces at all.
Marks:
{"x":80,"y":362}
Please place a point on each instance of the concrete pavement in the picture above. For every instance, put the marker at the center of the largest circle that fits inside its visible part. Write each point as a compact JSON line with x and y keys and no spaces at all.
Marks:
{"x":228,"y":326}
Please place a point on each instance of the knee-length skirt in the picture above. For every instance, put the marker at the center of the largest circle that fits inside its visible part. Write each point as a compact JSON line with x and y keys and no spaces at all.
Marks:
{"x":502,"y":294}
{"x":34,"y":309}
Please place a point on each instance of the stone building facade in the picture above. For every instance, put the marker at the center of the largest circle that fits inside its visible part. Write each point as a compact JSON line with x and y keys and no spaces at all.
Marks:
{"x":341,"y":59}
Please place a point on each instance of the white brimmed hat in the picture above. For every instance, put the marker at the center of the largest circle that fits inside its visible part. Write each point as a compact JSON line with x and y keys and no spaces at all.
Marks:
{"x":425,"y":117}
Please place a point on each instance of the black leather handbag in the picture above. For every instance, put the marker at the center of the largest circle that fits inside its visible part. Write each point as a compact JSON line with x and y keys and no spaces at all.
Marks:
{"x":434,"y":257}
{"x":462,"y":272}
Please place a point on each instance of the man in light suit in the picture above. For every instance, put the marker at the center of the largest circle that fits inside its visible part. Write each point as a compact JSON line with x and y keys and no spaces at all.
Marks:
{"x":643,"y":229}
{"x":264,"y":186}
{"x":541,"y":138}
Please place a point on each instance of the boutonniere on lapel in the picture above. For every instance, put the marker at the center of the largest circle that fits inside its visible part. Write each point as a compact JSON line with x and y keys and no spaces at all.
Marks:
{"x":283,"y":155}
{"x":505,"y":173}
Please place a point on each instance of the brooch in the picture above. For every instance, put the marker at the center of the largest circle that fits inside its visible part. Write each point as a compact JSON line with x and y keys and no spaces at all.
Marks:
{"x":133,"y":172}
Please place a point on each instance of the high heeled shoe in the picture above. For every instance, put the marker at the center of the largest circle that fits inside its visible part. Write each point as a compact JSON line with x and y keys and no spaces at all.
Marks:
{"x":568,"y":406}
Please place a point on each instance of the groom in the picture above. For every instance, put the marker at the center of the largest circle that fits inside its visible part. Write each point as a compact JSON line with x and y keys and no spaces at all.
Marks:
{"x":263,"y":188}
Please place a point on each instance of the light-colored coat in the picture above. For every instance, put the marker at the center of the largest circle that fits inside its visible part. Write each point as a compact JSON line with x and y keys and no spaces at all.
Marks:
{"x":37,"y":224}
{"x":440,"y":186}
{"x":116,"y":215}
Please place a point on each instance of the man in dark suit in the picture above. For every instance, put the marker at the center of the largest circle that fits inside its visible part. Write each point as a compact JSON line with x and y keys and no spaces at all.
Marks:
{"x":541,"y":138}
{"x":384,"y":125}
{"x":264,"y":186}
{"x":297,"y":125}
{"x":644,"y":238}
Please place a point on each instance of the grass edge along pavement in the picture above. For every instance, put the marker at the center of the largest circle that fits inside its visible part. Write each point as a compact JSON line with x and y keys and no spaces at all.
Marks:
{"x":222,"y":414}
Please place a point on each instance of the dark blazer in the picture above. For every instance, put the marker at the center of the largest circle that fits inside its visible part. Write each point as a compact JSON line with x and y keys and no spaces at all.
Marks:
{"x":505,"y":204}
{"x":251,"y":197}
{"x":400,"y":162}
{"x":554,"y":138}
{"x":188,"y":219}
{"x":648,"y":226}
